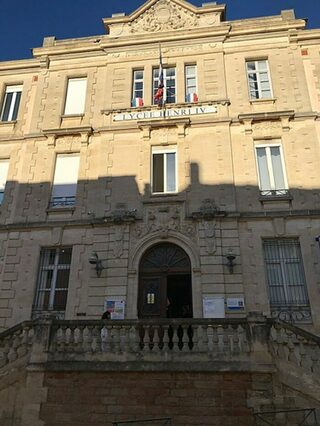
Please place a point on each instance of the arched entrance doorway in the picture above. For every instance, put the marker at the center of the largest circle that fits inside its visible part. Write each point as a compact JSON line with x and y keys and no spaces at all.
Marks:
{"x":165,"y":289}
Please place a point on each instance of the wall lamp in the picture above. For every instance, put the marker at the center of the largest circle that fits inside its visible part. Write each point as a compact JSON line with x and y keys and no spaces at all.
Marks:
{"x":318,"y":240}
{"x":94,"y":260}
{"x":230,"y":260}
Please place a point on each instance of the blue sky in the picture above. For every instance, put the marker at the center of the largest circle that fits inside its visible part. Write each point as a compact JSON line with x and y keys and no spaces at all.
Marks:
{"x":24,"y":23}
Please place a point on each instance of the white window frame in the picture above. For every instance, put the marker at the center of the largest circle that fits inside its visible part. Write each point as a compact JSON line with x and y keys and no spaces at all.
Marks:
{"x":67,"y":200}
{"x":55,"y":267}
{"x":137,"y":80}
{"x":267,"y":147}
{"x":14,"y":89}
{"x":257,"y":72}
{"x":165,"y":151}
{"x":79,"y":111}
{"x":186,"y":77}
{"x":155,"y":83}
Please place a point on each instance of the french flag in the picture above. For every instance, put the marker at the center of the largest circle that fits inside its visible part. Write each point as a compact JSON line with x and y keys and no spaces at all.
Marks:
{"x":158,"y":97}
{"x":137,"y":102}
{"x":192,"y":97}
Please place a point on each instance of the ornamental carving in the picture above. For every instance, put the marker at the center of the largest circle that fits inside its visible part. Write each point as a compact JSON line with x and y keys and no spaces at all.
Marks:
{"x":162,"y":220}
{"x":208,"y":210}
{"x":117,"y":246}
{"x":164,"y":16}
{"x":209,"y":231}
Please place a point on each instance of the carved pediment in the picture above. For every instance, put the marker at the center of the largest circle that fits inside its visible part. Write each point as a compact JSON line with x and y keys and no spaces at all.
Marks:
{"x":164,"y":15}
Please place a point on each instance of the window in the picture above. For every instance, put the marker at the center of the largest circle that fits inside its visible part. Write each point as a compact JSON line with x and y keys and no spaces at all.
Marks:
{"x":270,"y":164}
{"x":137,"y":88}
{"x":169,"y":81}
{"x":65,"y":180}
{"x":4,"y":166}
{"x":191,"y":83}
{"x":164,"y":169}
{"x":258,"y":79}
{"x":285,"y":273}
{"x":53,"y":279}
{"x":76,"y":96}
{"x":11,"y":103}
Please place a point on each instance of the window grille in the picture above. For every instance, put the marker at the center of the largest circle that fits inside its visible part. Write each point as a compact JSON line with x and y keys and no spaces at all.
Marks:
{"x":285,"y":274}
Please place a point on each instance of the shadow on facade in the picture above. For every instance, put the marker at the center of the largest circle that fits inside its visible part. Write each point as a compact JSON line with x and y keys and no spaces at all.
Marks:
{"x":97,"y":199}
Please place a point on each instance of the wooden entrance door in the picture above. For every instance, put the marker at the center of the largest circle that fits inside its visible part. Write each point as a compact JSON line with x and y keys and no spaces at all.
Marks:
{"x":158,"y":269}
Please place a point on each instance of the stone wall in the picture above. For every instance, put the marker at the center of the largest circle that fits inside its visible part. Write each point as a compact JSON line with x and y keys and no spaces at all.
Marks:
{"x":96,"y":399}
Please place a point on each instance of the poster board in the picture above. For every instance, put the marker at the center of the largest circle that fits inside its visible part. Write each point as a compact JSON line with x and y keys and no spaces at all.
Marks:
{"x":235,"y":303}
{"x":116,"y":308}
{"x":213,"y":307}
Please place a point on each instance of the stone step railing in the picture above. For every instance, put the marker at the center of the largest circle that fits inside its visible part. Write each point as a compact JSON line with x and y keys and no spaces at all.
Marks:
{"x":291,"y":344}
{"x":16,"y":342}
{"x":255,"y":343}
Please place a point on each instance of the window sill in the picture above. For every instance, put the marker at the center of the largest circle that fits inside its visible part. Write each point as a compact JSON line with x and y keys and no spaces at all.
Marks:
{"x":263,"y":101}
{"x":7,"y":126}
{"x":6,"y":123}
{"x":72,"y":115}
{"x":72,"y":120}
{"x":168,"y":197}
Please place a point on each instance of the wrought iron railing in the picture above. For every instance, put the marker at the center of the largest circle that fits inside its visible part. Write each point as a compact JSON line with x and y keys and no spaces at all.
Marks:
{"x":292,"y":314}
{"x":62,"y":202}
{"x":275,"y":193}
{"x":285,"y":417}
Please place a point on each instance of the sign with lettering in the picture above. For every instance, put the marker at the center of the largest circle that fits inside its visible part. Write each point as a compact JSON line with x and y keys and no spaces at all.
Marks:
{"x":165,"y":113}
{"x":235,"y":303}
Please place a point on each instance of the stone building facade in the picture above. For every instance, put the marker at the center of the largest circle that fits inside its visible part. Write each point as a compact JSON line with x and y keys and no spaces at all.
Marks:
{"x":201,"y":205}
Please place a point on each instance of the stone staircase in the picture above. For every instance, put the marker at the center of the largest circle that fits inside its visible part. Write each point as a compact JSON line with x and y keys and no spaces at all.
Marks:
{"x":282,"y":359}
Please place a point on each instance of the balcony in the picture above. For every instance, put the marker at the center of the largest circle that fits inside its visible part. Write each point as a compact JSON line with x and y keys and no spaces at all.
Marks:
{"x":275,"y":195}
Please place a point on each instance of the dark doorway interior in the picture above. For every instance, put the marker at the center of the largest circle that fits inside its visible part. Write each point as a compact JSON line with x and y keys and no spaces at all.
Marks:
{"x":165,"y":288}
{"x":179,"y":296}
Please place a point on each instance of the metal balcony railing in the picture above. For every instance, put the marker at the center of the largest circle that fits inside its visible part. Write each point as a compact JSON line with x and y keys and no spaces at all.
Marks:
{"x":62,"y":202}
{"x":278,"y":193}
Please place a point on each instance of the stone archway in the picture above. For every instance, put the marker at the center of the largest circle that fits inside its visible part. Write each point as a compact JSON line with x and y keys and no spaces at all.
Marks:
{"x":165,"y":288}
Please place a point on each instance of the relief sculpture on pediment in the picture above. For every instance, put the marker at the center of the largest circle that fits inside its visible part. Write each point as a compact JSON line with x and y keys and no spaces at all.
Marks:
{"x":164,"y":16}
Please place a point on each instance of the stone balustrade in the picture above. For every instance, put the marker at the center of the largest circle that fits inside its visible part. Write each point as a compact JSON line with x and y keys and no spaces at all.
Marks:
{"x":255,"y":343}
{"x":294,"y":345}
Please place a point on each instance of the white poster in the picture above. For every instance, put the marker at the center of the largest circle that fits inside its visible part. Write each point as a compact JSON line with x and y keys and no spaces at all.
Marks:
{"x":116,"y":308}
{"x":213,"y":307}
